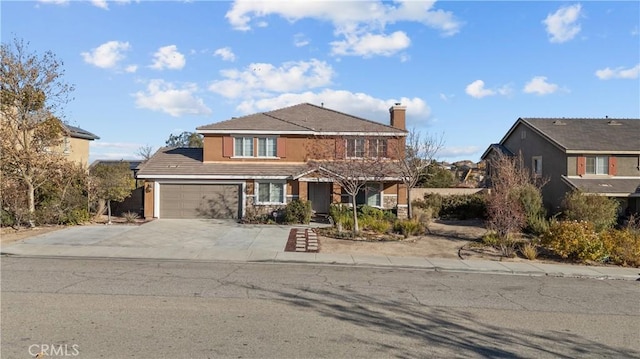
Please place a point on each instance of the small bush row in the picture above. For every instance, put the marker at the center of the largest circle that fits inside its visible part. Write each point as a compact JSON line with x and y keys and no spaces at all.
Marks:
{"x":468,"y":206}
{"x":579,"y":240}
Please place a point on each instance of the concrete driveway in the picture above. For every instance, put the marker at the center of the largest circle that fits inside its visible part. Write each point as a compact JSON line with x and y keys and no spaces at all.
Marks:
{"x":170,"y":238}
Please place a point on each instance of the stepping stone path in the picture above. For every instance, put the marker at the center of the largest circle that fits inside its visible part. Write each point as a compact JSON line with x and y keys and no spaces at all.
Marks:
{"x":306,"y":240}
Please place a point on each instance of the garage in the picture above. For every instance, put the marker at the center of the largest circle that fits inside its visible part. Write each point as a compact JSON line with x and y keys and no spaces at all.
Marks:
{"x":199,"y":200}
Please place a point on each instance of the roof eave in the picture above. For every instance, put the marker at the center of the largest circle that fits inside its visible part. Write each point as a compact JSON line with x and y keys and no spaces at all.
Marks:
{"x":315,"y":133}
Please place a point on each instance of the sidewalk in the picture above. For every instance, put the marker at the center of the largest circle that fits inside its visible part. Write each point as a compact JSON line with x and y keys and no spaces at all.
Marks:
{"x":266,"y":255}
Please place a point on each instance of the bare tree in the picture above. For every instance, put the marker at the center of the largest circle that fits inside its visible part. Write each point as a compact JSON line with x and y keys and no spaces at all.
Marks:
{"x":414,"y":158}
{"x":32,"y":91}
{"x":506,"y":212}
{"x":145,"y":152}
{"x":350,"y":162}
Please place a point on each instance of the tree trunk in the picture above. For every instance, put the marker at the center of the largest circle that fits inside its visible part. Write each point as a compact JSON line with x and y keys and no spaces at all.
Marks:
{"x":356,"y":229}
{"x":409,"y":208}
{"x":32,"y":202}
{"x":109,"y":211}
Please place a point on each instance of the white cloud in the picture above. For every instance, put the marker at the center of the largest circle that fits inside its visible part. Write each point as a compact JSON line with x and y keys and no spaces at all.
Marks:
{"x":563,"y":24}
{"x":101,"y":4}
{"x":168,"y":57}
{"x":262,"y":79}
{"x":619,"y":73}
{"x":131,"y":68}
{"x":476,"y":90}
{"x":54,"y":2}
{"x":359,"y":25}
{"x":458,"y":151}
{"x":539,"y":86}
{"x":300,"y":40}
{"x":359,"y":104}
{"x":225,"y":53}
{"x":369,"y":44}
{"x":165,"y":97}
{"x":107,"y":55}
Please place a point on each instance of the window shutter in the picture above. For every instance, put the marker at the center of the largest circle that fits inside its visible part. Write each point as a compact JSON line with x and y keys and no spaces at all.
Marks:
{"x":281,"y":149}
{"x":582,"y":166}
{"x":613,"y":166}
{"x":340,"y":144}
{"x":227,"y":146}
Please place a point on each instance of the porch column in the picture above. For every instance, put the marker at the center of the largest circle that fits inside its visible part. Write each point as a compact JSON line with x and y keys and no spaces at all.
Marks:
{"x":403,"y":208}
{"x":336,"y":192}
{"x":303,"y":190}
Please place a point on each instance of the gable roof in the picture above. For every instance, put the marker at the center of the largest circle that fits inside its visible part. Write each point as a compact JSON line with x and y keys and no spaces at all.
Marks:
{"x":584,"y":135}
{"x":303,"y":118}
{"x":77,"y":132}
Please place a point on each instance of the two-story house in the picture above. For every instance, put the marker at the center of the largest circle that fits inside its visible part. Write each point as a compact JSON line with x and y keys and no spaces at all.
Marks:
{"x":75,"y":144}
{"x":260,"y":162}
{"x":597,"y":156}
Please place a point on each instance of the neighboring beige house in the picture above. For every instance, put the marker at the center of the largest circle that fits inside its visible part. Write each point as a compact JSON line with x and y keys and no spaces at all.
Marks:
{"x":260,"y":162}
{"x":75,"y":144}
{"x":598,"y":156}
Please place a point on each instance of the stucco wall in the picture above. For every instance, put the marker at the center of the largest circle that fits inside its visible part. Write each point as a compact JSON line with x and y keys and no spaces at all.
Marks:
{"x":554,"y":163}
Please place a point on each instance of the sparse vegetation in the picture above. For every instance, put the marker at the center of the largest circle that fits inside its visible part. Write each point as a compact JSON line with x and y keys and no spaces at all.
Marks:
{"x":529,"y":250}
{"x":130,"y":217}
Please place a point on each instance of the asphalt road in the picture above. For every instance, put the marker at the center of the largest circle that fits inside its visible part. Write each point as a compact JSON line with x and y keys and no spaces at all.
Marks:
{"x":163,"y":309}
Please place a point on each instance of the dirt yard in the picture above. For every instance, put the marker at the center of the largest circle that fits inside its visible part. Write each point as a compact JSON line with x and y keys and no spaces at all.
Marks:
{"x":445,"y":241}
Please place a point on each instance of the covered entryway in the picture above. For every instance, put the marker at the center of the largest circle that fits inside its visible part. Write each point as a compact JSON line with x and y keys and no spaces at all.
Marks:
{"x":320,"y":196}
{"x":200,"y":200}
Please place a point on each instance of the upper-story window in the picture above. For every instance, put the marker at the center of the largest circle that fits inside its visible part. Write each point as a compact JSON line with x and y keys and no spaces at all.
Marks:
{"x":378,"y":147}
{"x":243,"y":147}
{"x":597,"y":165}
{"x":355,"y":147}
{"x":536,"y":164}
{"x":267,"y":147}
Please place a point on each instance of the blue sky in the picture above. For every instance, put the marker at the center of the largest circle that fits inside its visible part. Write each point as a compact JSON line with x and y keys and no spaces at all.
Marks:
{"x":465,"y":70}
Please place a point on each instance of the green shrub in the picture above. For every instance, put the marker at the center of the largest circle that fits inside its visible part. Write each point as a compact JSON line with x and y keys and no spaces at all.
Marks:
{"x":342,"y":216}
{"x":599,"y":210}
{"x":462,"y":207}
{"x":408,"y":227}
{"x":491,"y":239}
{"x":6,"y":219}
{"x":575,"y":240}
{"x":622,"y":246}
{"x":298,"y":211}
{"x":530,"y":198}
{"x":466,"y":206}
{"x":378,"y":225}
{"x":75,"y":216}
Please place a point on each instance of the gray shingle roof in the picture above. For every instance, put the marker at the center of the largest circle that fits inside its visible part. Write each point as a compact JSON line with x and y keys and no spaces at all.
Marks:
{"x":603,"y":134}
{"x":185,"y":162}
{"x":78,"y":132}
{"x":622,"y":186}
{"x":304,"y":117}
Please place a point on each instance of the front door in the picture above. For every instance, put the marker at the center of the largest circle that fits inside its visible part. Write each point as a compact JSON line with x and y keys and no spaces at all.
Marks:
{"x":320,"y":196}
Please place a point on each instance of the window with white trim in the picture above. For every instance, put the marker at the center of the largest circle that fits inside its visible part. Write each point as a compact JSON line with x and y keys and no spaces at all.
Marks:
{"x":355,"y":147}
{"x":243,"y":146}
{"x":536,"y":165}
{"x":597,"y":165}
{"x":267,"y":146}
{"x":378,"y":147}
{"x":272,"y":192}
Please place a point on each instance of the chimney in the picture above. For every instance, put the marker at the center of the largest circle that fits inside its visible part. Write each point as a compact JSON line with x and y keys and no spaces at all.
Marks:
{"x":398,"y":116}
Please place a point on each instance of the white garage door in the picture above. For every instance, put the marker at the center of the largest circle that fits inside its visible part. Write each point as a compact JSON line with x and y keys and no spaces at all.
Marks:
{"x":199,"y":200}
